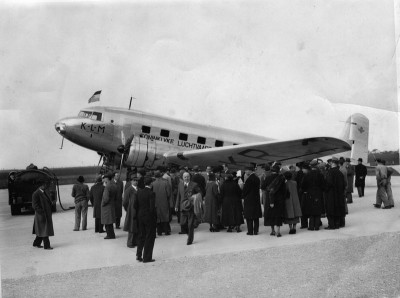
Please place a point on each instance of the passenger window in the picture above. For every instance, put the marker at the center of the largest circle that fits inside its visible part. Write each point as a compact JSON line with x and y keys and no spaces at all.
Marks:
{"x":146,"y":129}
{"x":219,"y":143}
{"x":201,"y":140}
{"x":183,"y":137}
{"x":164,"y":133}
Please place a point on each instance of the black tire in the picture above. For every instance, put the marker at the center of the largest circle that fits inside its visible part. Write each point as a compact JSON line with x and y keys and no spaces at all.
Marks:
{"x":15,"y":210}
{"x":53,"y":208}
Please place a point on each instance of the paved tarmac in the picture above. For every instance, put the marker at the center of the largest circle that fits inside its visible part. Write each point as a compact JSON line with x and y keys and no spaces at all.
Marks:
{"x":360,"y":260}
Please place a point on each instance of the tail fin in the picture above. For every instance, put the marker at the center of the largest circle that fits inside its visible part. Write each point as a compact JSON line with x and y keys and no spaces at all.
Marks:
{"x":356,"y":133}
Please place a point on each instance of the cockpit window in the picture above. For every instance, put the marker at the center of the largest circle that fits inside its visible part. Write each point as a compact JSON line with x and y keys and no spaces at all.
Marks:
{"x":90,"y":114}
{"x":96,"y":116}
{"x":85,"y":114}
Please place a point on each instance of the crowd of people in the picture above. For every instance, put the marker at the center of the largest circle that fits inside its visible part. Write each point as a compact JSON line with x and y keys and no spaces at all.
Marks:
{"x":224,"y":199}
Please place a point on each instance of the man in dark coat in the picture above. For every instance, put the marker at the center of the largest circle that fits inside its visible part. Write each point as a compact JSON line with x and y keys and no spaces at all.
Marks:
{"x":350,"y":181}
{"x":145,"y":206}
{"x":162,"y":191}
{"x":96,"y":195}
{"x":252,"y":205}
{"x":200,"y":180}
{"x":313,"y":188}
{"x":303,"y":168}
{"x":275,"y":188}
{"x":361,"y":173}
{"x":131,"y":225}
{"x":186,"y":189}
{"x":335,"y":191}
{"x":118,"y":199}
{"x":232,"y":207}
{"x":43,"y":222}
{"x":108,"y":206}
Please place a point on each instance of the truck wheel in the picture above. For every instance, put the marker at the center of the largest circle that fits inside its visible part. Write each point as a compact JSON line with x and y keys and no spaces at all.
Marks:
{"x":15,"y":210}
{"x":53,"y":208}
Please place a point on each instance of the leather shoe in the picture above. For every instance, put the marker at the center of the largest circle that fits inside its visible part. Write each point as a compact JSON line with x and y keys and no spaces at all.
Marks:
{"x":75,"y":230}
{"x":48,"y":247}
{"x":387,"y":207}
{"x":189,"y":243}
{"x":148,"y":261}
{"x":181,"y":233}
{"x":38,"y":246}
{"x":139,"y":259}
{"x":109,"y":237}
{"x":250,"y":234}
{"x":167,"y":233}
{"x":377,"y":206}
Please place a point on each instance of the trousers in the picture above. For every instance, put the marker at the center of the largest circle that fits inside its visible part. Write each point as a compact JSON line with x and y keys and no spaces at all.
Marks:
{"x":38,"y":240}
{"x":252,"y":225}
{"x":187,"y":224}
{"x":81,"y":209}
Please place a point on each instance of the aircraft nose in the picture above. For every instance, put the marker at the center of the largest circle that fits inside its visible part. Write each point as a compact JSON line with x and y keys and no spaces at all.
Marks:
{"x":61,"y":128}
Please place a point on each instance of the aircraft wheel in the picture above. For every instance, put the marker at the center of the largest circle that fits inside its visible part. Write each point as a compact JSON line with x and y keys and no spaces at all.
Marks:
{"x":54,"y":208}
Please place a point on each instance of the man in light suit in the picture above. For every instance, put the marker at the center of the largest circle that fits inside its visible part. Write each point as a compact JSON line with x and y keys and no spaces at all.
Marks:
{"x":186,"y":189}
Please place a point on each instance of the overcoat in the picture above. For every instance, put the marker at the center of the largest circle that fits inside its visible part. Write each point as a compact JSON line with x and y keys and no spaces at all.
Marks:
{"x":350,"y":177}
{"x":211,"y":203}
{"x":130,"y":224}
{"x":183,"y":195}
{"x":43,"y":222}
{"x":361,"y":172}
{"x":96,"y":195}
{"x":163,"y":193}
{"x":335,"y":187}
{"x":108,"y":204}
{"x":292,"y":202}
{"x":232,"y":208}
{"x":313,"y":193}
{"x":118,"y":198}
{"x":275,"y":194}
{"x":251,"y":197}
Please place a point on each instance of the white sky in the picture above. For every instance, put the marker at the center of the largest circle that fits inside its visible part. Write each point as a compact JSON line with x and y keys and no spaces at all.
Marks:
{"x":283,"y":69}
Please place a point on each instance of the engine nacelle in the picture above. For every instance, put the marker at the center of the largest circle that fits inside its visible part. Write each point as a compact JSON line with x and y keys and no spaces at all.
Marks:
{"x":142,"y":153}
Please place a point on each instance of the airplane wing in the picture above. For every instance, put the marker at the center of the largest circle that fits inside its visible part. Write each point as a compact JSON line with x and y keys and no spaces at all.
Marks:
{"x":287,"y":152}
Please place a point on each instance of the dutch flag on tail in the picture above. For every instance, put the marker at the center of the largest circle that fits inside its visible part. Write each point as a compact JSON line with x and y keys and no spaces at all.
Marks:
{"x":95,"y":97}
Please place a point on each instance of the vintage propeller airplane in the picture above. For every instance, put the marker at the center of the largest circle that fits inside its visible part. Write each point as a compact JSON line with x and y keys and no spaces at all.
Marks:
{"x":133,"y":138}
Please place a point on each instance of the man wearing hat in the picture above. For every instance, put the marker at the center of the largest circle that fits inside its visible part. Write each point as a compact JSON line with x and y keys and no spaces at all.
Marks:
{"x":335,"y":192}
{"x":162,"y":191}
{"x":361,"y":173}
{"x":43,"y":222}
{"x":96,"y":194}
{"x":199,"y":179}
{"x":313,"y":203}
{"x":108,"y":205}
{"x":147,"y":218}
{"x":80,"y":192}
{"x":350,"y":181}
{"x":118,"y":199}
{"x":131,"y":225}
{"x":251,"y":196}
